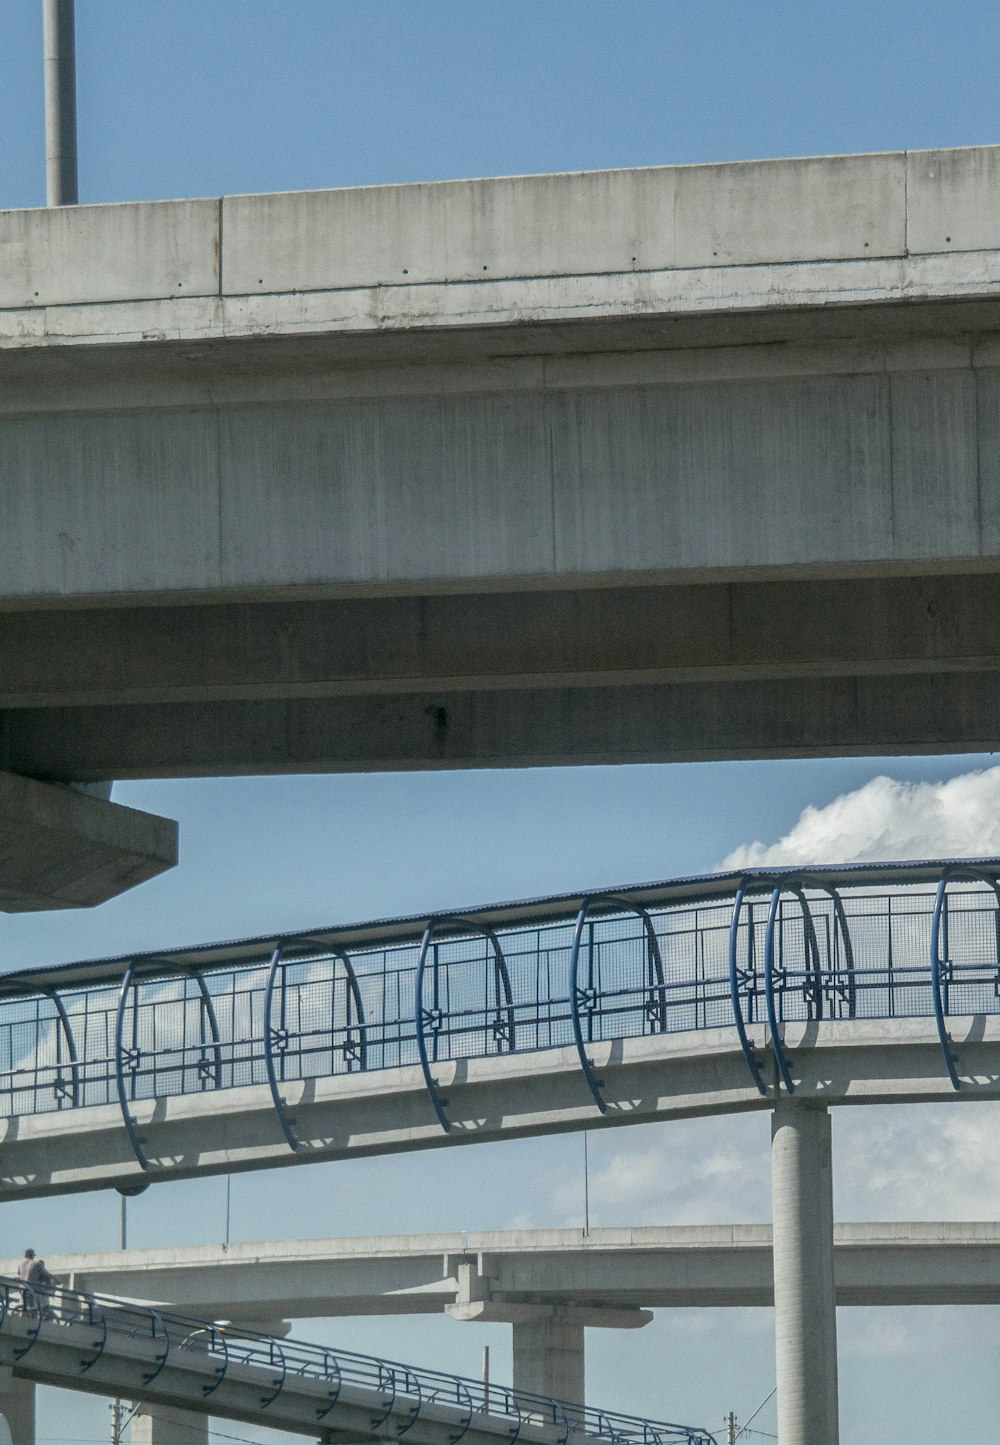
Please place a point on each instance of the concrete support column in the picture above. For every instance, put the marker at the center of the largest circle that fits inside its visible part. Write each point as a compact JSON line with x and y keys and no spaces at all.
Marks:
{"x":549,"y":1358}
{"x":804,"y":1300}
{"x":17,"y":1406}
{"x":164,"y":1425}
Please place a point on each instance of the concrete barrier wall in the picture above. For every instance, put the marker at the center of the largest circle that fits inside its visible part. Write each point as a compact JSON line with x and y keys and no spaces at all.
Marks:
{"x":741,"y":214}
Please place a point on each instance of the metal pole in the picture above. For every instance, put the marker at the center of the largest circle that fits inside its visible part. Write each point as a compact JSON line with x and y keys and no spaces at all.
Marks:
{"x":586,"y":1186}
{"x":123,"y":1222}
{"x":486,"y":1379}
{"x":60,"y":103}
{"x":730,"y":1429}
{"x":229,"y":1189}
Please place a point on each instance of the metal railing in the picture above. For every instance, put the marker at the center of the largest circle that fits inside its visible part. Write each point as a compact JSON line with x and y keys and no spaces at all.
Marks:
{"x":156,"y":1339}
{"x":874,"y":942}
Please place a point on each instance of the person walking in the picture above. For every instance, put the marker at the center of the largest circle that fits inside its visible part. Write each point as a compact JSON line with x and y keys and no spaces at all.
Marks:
{"x":35,"y":1278}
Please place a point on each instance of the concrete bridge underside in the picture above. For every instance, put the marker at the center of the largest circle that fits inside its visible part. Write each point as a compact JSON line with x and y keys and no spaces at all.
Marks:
{"x":690,"y":462}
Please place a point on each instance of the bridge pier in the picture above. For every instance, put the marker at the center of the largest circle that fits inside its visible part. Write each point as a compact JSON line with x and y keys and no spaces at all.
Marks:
{"x":549,"y":1357}
{"x":17,"y":1406}
{"x":804,"y":1300}
{"x":165,"y":1425}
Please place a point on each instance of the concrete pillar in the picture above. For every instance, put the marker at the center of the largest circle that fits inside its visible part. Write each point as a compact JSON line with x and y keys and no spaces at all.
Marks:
{"x":165,"y":1425}
{"x":17,"y":1406}
{"x":549,"y":1358}
{"x":804,"y":1301}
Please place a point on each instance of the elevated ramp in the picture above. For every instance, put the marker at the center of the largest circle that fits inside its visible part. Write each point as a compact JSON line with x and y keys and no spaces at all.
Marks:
{"x":109,"y":1347}
{"x":725,"y":993}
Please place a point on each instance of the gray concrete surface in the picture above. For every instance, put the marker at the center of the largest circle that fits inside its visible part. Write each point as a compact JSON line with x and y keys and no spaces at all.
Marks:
{"x":805,"y":1313}
{"x":166,"y":1425}
{"x":17,"y":1406}
{"x":663,"y":1076}
{"x":548,"y":1357}
{"x":605,"y":1278}
{"x":625,"y":466}
{"x":60,"y":848}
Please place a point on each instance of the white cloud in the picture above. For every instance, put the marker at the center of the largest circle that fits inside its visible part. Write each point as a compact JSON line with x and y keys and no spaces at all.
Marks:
{"x":887,"y":819}
{"x":920,"y":1161}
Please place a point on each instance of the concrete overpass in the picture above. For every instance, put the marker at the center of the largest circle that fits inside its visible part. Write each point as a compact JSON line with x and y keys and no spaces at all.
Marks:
{"x":549,"y":1285}
{"x":614,"y":467}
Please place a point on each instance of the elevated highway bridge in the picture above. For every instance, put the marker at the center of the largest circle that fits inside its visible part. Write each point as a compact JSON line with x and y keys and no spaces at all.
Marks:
{"x":639,"y":465}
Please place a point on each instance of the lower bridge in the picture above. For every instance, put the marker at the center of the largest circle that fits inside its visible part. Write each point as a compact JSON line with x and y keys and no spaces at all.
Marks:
{"x":81,"y":1341}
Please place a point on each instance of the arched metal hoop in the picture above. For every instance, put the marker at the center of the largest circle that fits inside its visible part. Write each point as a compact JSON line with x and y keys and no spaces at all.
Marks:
{"x":849,"y":990}
{"x":586,"y":998}
{"x":941,"y":967}
{"x":158,"y":1329}
{"x":740,"y":978}
{"x":276,"y":1039}
{"x":278,"y":1383}
{"x":429,"y":1020}
{"x":128,"y":1059}
{"x":463,"y":1400}
{"x":216,"y":1346}
{"x":101,"y":1323}
{"x":331,"y":1369}
{"x":417,"y":1396}
{"x":789,"y":885}
{"x":74,"y":1061}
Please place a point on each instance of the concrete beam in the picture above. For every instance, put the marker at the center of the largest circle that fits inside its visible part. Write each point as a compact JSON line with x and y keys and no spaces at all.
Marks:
{"x":613,"y":637}
{"x":605,"y":1278}
{"x":523,"y":727}
{"x":64,"y":849}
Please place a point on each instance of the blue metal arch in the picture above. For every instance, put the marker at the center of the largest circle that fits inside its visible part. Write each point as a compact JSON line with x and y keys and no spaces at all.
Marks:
{"x":417,"y":1395}
{"x":279,"y":1381}
{"x":273,"y":1037}
{"x":792,"y":886}
{"x":218,"y":1345}
{"x":431,"y":1018}
{"x":656,"y":984}
{"x":386,"y":1375}
{"x":285,"y":1122}
{"x":160,"y":1360}
{"x":122,"y":1058}
{"x":102,"y":1340}
{"x":738,"y":976}
{"x":941,"y":967}
{"x":333,"y":1373}
{"x":38,"y":1313}
{"x":850,"y":993}
{"x":74,"y":1061}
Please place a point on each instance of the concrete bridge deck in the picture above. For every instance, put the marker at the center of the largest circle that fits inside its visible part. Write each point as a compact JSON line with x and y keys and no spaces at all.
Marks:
{"x":602,"y":1279}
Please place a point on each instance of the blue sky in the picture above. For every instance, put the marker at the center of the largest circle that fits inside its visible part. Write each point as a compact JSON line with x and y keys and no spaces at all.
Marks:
{"x":196,"y":97}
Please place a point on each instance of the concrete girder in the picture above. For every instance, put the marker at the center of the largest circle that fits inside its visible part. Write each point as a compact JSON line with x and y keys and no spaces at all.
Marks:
{"x":789,"y":717}
{"x":621,"y":1272}
{"x":482,"y":642}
